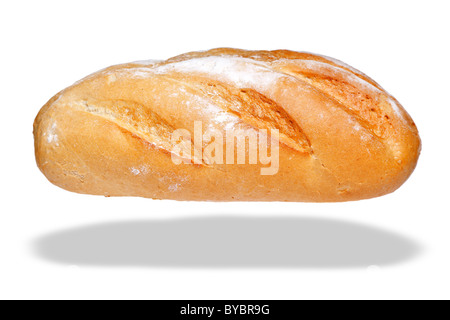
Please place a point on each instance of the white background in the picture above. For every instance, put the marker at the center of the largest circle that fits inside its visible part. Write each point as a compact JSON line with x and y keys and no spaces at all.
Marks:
{"x":55,"y":244}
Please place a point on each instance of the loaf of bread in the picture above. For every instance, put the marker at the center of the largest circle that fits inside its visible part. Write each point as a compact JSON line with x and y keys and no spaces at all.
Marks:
{"x":314,"y":130}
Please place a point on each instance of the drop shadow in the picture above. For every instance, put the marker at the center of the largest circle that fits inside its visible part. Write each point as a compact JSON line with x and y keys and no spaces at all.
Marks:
{"x":228,"y":242}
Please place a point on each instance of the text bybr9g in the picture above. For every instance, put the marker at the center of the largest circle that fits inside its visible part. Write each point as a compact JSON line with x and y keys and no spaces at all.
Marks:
{"x":246,"y":309}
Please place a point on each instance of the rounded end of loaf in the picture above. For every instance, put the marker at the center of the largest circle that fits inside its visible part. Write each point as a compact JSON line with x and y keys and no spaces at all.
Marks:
{"x":407,"y":146}
{"x":47,"y":143}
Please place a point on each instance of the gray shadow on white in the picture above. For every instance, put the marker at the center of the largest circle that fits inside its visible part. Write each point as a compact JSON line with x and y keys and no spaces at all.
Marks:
{"x":228,"y":242}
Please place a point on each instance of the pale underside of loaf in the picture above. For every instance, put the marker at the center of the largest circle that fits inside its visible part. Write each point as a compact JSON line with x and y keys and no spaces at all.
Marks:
{"x":342,"y":137}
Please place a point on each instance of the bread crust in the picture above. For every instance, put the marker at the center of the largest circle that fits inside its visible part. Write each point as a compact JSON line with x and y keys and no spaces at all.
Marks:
{"x":342,"y":137}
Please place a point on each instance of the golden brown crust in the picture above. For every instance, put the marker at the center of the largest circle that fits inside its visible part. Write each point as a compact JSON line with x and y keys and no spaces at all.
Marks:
{"x":342,"y":137}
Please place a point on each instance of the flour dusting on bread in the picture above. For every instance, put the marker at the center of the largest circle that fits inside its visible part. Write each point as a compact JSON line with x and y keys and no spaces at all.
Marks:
{"x":241,"y":72}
